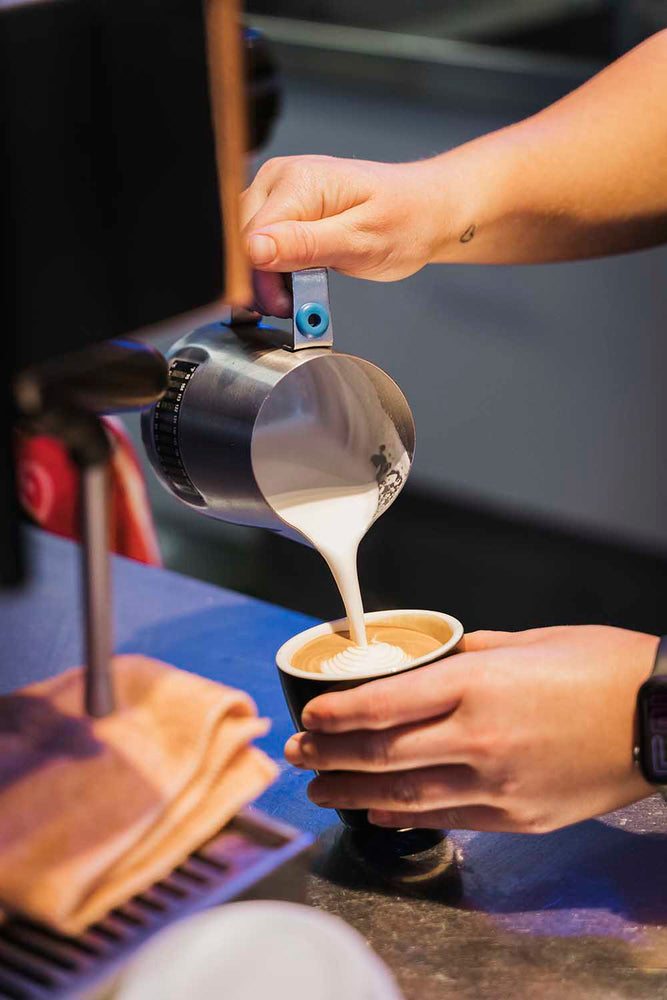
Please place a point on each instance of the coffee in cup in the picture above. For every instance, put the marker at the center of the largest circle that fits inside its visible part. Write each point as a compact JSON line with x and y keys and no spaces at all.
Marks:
{"x":324,"y":658}
{"x":391,"y":648}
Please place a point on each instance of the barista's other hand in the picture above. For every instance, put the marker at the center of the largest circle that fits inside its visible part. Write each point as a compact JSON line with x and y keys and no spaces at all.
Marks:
{"x":523,"y":732}
{"x":370,"y":220}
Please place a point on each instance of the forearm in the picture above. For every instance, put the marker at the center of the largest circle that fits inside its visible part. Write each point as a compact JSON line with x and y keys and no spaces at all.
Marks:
{"x":583,"y":178}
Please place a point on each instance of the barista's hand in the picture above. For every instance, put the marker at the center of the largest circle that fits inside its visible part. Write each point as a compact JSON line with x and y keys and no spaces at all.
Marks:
{"x":370,"y":220}
{"x":586,"y":176}
{"x":522,"y":732}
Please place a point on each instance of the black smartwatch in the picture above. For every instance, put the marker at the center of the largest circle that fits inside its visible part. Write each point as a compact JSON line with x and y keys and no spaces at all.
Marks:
{"x":651,"y":752}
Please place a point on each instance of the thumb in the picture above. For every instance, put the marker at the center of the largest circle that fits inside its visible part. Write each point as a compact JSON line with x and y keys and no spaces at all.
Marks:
{"x":291,"y":246}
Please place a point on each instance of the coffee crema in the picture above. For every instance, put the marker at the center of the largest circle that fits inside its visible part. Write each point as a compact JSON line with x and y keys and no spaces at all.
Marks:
{"x":390,"y":648}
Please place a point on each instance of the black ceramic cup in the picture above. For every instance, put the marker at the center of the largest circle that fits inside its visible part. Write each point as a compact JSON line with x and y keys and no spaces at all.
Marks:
{"x":300,"y":687}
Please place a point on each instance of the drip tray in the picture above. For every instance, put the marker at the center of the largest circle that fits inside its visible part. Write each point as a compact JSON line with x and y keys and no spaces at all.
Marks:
{"x":252,"y":857}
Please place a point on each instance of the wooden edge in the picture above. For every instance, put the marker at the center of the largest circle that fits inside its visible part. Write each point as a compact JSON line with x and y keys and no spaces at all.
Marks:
{"x":227,"y":90}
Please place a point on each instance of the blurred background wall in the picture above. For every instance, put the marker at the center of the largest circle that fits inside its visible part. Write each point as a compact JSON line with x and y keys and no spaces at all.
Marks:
{"x":537,"y":391}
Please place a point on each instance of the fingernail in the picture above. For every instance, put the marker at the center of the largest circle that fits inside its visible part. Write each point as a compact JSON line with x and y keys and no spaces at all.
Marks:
{"x":307,"y":747}
{"x":308,"y":720}
{"x":293,"y":750}
{"x":262,"y":248}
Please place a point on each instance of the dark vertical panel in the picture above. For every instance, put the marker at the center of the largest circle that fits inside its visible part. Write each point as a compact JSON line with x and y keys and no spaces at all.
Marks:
{"x":157,"y":156}
{"x":111,"y":205}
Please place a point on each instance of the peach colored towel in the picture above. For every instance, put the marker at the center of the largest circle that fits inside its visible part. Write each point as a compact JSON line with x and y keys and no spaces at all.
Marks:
{"x":94,"y":811}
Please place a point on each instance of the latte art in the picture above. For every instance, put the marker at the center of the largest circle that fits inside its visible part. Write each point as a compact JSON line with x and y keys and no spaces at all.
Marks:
{"x":377,"y":657}
{"x":390,"y":648}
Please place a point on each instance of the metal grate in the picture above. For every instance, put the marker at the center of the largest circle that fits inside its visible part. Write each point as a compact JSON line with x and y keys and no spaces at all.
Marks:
{"x":37,"y":963}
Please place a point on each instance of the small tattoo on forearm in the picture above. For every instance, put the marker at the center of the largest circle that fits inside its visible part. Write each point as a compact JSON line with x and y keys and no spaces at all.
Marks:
{"x":468,"y":235}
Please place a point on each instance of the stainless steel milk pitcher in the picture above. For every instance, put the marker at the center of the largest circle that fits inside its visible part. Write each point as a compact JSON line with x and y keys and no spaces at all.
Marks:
{"x":253,"y":411}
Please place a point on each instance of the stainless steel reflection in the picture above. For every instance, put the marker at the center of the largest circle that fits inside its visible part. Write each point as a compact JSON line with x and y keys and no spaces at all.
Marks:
{"x":222,"y":411}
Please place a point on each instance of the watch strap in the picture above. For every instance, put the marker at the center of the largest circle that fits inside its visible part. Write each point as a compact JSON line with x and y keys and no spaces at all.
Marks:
{"x":660,"y":669}
{"x":660,"y":665}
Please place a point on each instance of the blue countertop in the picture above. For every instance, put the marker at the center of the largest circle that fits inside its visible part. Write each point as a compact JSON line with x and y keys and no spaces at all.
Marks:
{"x":580,"y":912}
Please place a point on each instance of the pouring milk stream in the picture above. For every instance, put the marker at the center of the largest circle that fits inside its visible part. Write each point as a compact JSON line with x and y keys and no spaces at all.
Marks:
{"x":345,"y":477}
{"x":335,"y":519}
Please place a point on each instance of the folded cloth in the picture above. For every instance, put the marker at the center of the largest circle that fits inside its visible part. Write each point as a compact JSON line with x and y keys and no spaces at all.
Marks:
{"x":93,"y":811}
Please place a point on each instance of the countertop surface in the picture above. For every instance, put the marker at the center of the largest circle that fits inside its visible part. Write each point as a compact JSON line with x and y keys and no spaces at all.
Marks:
{"x":581,"y":912}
